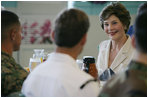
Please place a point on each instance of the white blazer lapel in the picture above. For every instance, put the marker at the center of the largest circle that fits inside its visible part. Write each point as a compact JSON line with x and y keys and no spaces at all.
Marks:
{"x":122,"y":55}
{"x":107,"y":53}
{"x":104,"y":55}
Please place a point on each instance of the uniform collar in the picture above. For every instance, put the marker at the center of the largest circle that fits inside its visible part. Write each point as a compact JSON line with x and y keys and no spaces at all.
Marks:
{"x":63,"y":58}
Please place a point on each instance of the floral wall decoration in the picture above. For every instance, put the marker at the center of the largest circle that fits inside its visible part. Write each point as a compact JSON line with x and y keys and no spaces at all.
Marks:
{"x":35,"y":33}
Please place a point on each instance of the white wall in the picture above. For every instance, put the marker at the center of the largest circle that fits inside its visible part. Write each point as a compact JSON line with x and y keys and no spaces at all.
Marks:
{"x":39,"y":11}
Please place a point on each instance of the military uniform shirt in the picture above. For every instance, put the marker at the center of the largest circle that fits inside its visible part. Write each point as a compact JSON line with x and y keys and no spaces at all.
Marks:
{"x":132,"y":83}
{"x":12,"y":75}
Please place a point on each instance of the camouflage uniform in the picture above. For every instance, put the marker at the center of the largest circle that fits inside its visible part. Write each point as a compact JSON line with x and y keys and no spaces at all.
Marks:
{"x":12,"y":75}
{"x":132,"y":83}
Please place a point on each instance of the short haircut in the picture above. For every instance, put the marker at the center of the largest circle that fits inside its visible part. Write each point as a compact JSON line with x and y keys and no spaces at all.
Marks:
{"x":117,"y":9}
{"x":8,"y":20}
{"x":140,"y":28}
{"x":70,"y":26}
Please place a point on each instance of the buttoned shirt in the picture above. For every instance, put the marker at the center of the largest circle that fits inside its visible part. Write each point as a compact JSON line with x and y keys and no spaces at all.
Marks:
{"x":59,"y":76}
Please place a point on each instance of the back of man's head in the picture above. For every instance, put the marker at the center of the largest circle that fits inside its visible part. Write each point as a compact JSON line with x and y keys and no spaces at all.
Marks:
{"x":70,"y":26}
{"x":8,"y":20}
{"x":140,"y":27}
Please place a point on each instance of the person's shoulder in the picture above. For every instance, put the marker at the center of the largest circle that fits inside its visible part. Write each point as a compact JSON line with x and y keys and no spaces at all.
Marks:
{"x":10,"y":68}
{"x":136,"y":83}
{"x":114,"y":87}
{"x":138,"y":78}
{"x":104,"y":44}
{"x":125,"y":84}
{"x":6,"y":65}
{"x":4,"y":57}
{"x":22,"y":73}
{"x":7,"y":60}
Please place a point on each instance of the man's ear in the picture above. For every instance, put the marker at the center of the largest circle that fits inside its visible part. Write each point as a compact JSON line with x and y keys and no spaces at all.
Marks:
{"x":133,"y":41}
{"x":52,"y":36}
{"x":13,"y":34}
{"x":83,"y":40}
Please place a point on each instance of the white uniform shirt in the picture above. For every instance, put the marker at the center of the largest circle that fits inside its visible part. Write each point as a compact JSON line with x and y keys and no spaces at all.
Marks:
{"x":57,"y":77}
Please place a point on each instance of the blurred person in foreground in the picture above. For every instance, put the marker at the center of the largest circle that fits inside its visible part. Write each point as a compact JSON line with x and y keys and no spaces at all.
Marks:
{"x":59,"y":75}
{"x":133,"y":82}
{"x":12,"y":74}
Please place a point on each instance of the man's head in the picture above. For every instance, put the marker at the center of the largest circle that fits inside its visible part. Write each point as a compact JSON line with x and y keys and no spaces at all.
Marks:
{"x":140,"y":28}
{"x":10,"y":29}
{"x":70,"y":26}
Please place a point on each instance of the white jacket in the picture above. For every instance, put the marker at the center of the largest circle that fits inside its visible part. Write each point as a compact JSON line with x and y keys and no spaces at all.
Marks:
{"x":121,"y":60}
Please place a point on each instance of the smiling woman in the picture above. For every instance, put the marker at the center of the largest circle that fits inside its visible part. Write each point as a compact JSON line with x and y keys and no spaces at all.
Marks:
{"x":115,"y":29}
{"x":116,"y":53}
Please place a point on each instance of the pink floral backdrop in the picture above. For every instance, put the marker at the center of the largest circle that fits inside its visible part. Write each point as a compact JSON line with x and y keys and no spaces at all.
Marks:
{"x":36,"y":33}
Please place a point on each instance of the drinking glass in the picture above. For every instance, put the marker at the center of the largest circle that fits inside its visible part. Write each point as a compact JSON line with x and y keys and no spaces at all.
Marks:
{"x":33,"y":63}
{"x":80,"y":64}
{"x":39,"y":53}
